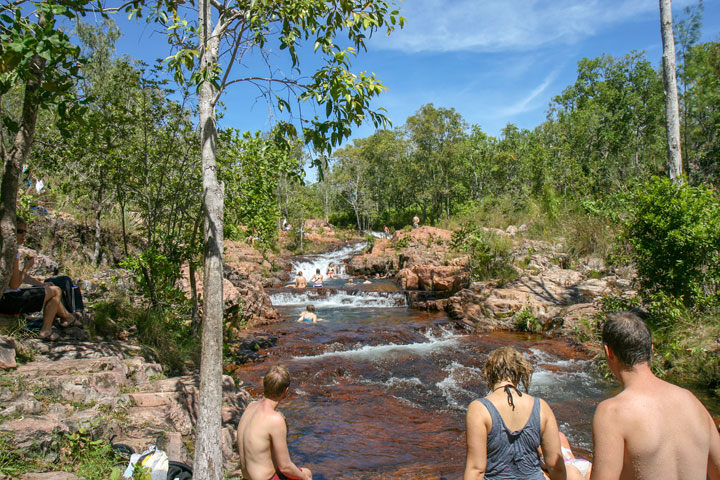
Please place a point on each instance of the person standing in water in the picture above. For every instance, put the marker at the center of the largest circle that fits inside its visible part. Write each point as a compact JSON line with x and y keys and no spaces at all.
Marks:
{"x":308,"y":316}
{"x":652,"y":429}
{"x":317,"y":279}
{"x":506,"y":428}
{"x":262,"y":434}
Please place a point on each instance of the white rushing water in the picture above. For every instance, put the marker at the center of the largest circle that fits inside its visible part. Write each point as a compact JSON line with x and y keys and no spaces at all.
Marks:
{"x":310,"y":263}
{"x":341,"y":299}
{"x":435,"y":341}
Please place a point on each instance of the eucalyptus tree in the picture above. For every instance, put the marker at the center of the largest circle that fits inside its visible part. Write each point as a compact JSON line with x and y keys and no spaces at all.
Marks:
{"x":702,"y":147}
{"x":89,"y":162}
{"x":687,"y":32}
{"x":225,"y":34}
{"x":672,"y":113}
{"x":352,"y":181}
{"x":436,"y":135}
{"x":37,"y":57}
{"x":608,"y":120}
{"x":250,"y":167}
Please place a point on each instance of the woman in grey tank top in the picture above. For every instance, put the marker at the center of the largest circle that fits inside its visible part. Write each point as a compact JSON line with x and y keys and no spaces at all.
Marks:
{"x":505,"y":429}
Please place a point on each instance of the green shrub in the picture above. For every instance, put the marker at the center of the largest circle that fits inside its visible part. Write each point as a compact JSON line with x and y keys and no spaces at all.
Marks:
{"x":674,"y":235}
{"x":525,"y":321}
{"x":489,"y":256}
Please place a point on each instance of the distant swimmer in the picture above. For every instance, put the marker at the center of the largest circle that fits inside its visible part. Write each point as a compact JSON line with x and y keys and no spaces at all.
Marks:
{"x":317,"y":279}
{"x":652,"y":429}
{"x":262,"y":434}
{"x":330,"y":272}
{"x":308,"y":316}
{"x":300,"y":280}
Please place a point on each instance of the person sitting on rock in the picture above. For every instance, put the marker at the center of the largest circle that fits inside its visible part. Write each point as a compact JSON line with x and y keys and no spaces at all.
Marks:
{"x":262,"y":434}
{"x":317,"y":279}
{"x":300,"y":280}
{"x":330,"y":272}
{"x":308,"y":316}
{"x":41,"y":296}
{"x":416,"y":221}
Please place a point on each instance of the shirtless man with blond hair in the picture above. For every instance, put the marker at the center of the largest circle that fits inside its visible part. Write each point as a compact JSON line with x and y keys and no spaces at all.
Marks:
{"x":262,"y":434}
{"x":652,"y":429}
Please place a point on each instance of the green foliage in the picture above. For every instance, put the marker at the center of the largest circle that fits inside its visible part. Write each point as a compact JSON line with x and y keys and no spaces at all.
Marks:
{"x":489,"y":255}
{"x":155,"y":275}
{"x":166,"y":331}
{"x":674,"y":234}
{"x":525,"y":321}
{"x":251,"y":168}
{"x":344,"y":95}
{"x":79,"y":452}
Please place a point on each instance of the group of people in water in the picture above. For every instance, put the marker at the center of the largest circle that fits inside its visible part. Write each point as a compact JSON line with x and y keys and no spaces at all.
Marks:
{"x":650,"y":430}
{"x":316,"y":281}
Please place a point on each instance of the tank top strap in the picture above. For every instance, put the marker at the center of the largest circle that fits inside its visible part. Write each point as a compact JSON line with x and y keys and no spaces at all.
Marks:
{"x":494,"y":414}
{"x":534,"y":420}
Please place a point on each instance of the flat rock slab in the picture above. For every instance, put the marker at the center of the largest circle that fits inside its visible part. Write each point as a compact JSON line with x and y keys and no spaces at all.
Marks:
{"x":49,"y":476}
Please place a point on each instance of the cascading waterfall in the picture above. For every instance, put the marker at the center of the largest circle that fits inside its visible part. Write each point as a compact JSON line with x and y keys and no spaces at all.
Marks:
{"x":310,"y":263}
{"x":339,"y":299}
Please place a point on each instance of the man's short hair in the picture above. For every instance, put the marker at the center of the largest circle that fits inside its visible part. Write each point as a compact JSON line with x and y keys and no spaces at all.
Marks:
{"x":276,"y":380}
{"x":629,"y":338}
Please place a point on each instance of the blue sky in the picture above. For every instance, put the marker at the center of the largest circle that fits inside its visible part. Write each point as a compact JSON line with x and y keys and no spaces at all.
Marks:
{"x":494,"y":61}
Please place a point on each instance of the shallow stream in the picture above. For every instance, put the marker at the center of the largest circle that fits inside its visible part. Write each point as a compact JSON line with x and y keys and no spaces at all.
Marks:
{"x":379,"y":391}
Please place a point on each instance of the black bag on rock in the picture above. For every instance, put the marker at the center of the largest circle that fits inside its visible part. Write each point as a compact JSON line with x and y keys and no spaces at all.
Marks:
{"x":71,"y":296}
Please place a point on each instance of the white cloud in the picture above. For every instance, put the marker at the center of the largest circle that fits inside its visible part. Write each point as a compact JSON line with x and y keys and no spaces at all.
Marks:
{"x":525,"y":104}
{"x":507,"y":25}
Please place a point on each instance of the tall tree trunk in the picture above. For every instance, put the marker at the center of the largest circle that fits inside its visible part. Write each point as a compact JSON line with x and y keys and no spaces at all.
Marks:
{"x":97,"y":254}
{"x":208,"y":452}
{"x":191,"y":274}
{"x":672,"y":114}
{"x":13,"y":159}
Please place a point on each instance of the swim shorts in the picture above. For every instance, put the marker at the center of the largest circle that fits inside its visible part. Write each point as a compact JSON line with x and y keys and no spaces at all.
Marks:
{"x":581,"y":464}
{"x":22,"y":300}
{"x":279,"y":476}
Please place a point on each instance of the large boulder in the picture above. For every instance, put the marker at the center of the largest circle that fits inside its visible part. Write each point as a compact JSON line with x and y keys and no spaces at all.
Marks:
{"x":434,"y":278}
{"x":550,"y":297}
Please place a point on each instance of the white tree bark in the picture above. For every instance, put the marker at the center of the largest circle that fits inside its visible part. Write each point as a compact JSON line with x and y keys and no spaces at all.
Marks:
{"x":208,"y":442}
{"x":672,"y":113}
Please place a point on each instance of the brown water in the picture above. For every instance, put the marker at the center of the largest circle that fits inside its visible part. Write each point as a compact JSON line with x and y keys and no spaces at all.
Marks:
{"x":379,"y":391}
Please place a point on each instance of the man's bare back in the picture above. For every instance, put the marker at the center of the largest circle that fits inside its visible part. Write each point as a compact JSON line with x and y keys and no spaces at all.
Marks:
{"x":654,"y":430}
{"x":253,"y":439}
{"x":262,"y":434}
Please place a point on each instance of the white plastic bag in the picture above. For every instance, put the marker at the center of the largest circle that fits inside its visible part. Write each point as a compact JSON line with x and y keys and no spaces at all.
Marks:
{"x":153,"y":459}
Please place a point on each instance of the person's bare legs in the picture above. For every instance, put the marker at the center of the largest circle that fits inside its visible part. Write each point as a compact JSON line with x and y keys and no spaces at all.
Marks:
{"x":53,"y":307}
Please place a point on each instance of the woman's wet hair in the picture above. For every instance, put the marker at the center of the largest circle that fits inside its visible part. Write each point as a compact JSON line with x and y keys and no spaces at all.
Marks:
{"x":629,"y":338}
{"x":506,"y":363}
{"x":311,"y":308}
{"x":276,"y":380}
